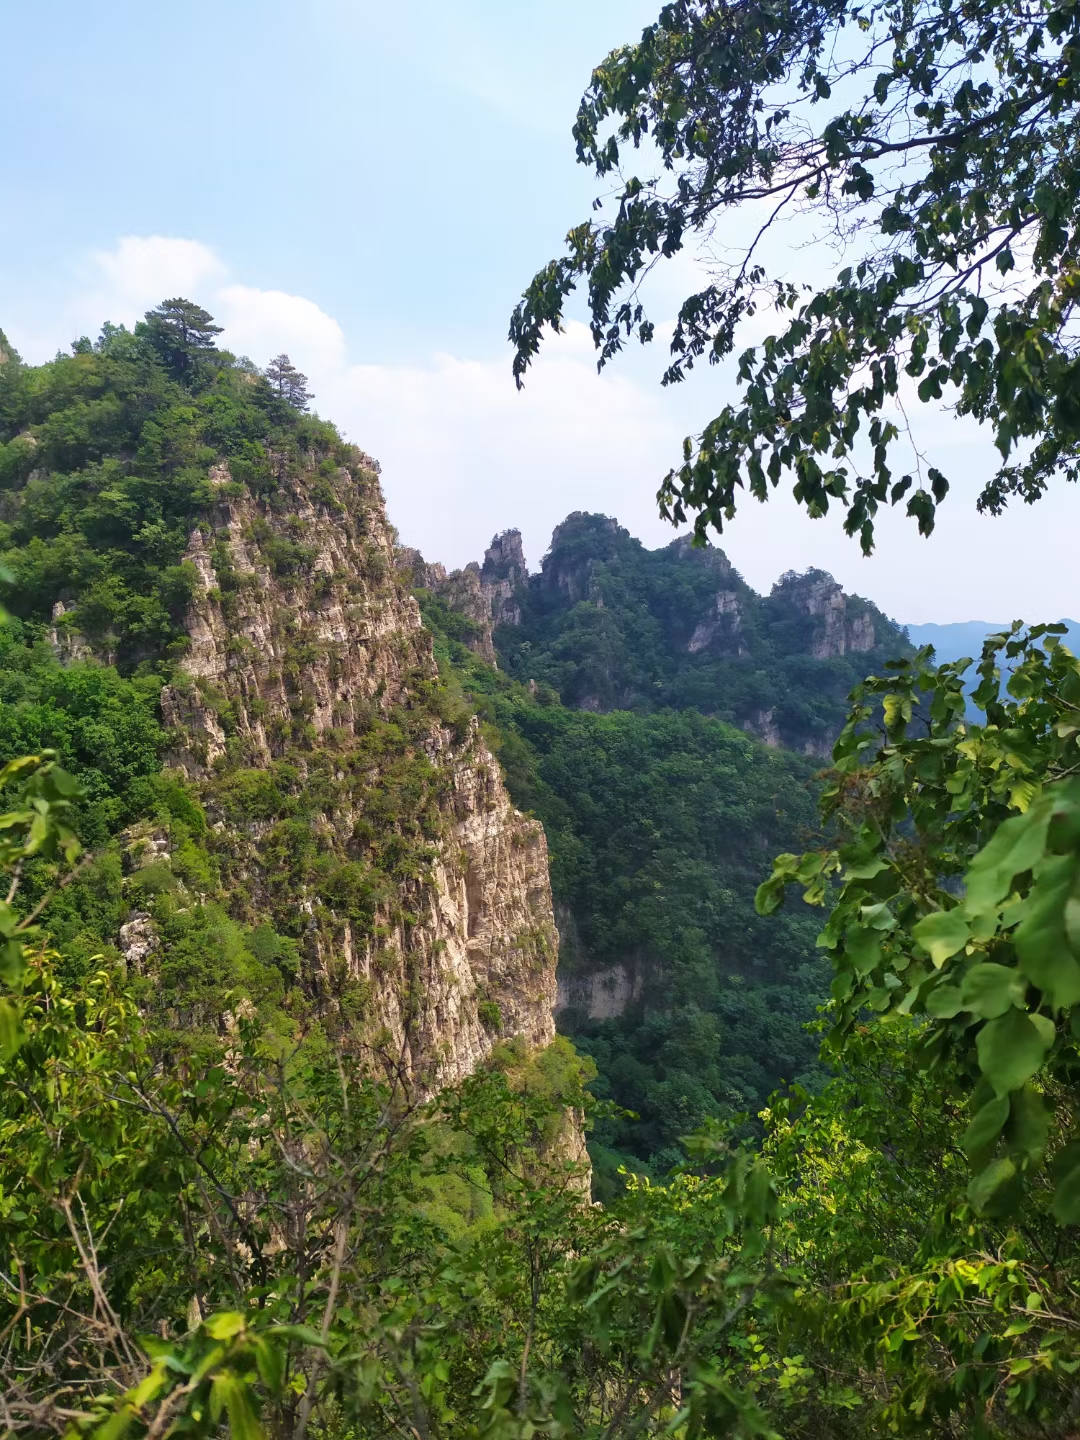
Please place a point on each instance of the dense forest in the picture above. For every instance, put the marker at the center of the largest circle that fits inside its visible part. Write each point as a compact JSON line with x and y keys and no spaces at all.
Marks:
{"x":660,"y":828}
{"x":288,"y":1143}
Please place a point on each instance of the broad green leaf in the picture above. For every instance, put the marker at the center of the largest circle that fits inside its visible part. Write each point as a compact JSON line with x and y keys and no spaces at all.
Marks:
{"x":944,"y":1001}
{"x":150,"y":1387}
{"x":988,"y":1185}
{"x":1042,"y":940}
{"x":225,"y":1324}
{"x":863,"y":948}
{"x":12,"y":1033}
{"x":986,"y":1125}
{"x":228,"y":1391}
{"x":769,"y":895}
{"x":990,"y":990}
{"x":116,"y":1426}
{"x":303,"y":1333}
{"x":1013,"y":1047}
{"x":1017,"y":845}
{"x":12,"y":964}
{"x":1029,"y":1124}
{"x":942,"y":934}
{"x":866,"y":869}
{"x":1067,"y":1185}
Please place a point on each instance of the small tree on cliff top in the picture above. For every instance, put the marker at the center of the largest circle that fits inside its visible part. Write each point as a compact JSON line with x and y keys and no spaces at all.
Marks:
{"x":182,"y":333}
{"x":288,"y":382}
{"x":938,"y":144}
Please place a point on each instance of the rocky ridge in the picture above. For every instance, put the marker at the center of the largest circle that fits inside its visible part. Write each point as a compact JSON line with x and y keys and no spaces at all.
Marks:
{"x":611,"y":625}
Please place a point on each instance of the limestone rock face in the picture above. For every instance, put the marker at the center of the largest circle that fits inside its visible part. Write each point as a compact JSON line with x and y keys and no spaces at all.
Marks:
{"x":762,"y":723}
{"x":502,"y":574}
{"x":721,"y":627}
{"x":307,"y":651}
{"x":838,"y":628}
{"x":601,"y":994}
{"x":138,"y":939}
{"x":70,"y":644}
{"x":486,"y":595}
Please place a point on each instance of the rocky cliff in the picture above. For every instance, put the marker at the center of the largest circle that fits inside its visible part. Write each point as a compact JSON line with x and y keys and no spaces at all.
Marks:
{"x":485,"y":596}
{"x":611,"y":625}
{"x":291,"y":813}
{"x":422,"y":896}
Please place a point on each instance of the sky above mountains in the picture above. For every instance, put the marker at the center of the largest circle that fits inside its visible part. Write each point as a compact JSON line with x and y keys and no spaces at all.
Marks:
{"x":370,"y":187}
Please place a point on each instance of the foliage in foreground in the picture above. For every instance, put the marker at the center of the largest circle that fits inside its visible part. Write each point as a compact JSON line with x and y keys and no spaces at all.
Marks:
{"x":282,"y":1234}
{"x":934,"y":144}
{"x":284,"y":1241}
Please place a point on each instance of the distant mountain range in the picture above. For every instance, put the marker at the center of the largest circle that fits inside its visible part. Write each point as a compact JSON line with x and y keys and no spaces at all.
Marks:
{"x":965,"y":637}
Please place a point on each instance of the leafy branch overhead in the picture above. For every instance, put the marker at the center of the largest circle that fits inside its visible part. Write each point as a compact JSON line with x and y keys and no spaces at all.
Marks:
{"x":957,"y":897}
{"x":936,"y":145}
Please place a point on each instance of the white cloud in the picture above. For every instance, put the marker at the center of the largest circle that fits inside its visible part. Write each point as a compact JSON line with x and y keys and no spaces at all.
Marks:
{"x":464,"y":454}
{"x":143,"y":270}
{"x":263,"y":323}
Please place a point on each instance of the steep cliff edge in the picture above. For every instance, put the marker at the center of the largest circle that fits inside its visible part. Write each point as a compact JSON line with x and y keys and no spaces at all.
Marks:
{"x":306,"y":650}
{"x":309,"y":821}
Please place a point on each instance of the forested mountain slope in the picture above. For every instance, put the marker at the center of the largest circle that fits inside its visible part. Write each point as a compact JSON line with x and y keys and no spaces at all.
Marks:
{"x":633,"y":692}
{"x":287,"y":809}
{"x":614,"y":626}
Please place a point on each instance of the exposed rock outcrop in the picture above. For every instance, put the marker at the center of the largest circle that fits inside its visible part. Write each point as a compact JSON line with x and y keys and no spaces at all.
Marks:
{"x":502,"y":575}
{"x":486,"y":595}
{"x":68,"y":642}
{"x":600,"y":994}
{"x":841,"y":626}
{"x":306,"y":646}
{"x":720,"y":628}
{"x":762,"y":723}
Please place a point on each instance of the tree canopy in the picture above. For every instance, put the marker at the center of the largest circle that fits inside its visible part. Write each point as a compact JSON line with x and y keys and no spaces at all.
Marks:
{"x":290,"y":383}
{"x":935,"y":145}
{"x":181,"y":332}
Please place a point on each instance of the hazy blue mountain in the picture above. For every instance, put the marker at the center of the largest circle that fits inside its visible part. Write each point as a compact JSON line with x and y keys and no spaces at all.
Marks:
{"x":965,"y":637}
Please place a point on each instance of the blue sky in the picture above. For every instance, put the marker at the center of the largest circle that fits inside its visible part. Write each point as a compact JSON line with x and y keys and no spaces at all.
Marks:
{"x":369,"y":186}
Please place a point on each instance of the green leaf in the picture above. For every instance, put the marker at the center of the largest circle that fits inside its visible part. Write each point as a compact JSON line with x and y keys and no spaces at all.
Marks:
{"x":986,"y":1125}
{"x":989,"y":990}
{"x":1029,"y":1124}
{"x":1013,"y":1047}
{"x":243,"y":1420}
{"x":12,"y":964}
{"x":225,"y":1324}
{"x":863,"y":949}
{"x":942,"y":934}
{"x":1042,"y":940}
{"x":1017,"y":845}
{"x":944,"y":1001}
{"x":988,"y":1186}
{"x":270,"y":1363}
{"x":12,"y":1033}
{"x":769,"y":895}
{"x":303,"y":1333}
{"x":1067,"y":1185}
{"x":672,"y":1318}
{"x":116,"y":1426}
